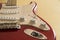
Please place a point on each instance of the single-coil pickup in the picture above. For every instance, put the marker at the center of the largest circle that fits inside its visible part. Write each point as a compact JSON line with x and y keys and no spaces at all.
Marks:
{"x":9,"y":7}
{"x":9,"y":11}
{"x":8,"y":18}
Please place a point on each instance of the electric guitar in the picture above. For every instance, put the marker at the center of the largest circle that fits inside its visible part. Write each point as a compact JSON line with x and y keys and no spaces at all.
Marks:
{"x":22,"y":23}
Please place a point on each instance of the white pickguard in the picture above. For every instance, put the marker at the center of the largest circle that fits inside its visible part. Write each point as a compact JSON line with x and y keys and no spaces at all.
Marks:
{"x":17,"y":14}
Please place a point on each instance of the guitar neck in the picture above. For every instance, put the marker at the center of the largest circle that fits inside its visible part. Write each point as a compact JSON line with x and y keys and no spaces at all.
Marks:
{"x":11,"y":3}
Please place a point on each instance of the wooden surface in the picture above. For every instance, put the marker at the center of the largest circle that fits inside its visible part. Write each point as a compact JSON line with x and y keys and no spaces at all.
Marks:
{"x":49,"y":10}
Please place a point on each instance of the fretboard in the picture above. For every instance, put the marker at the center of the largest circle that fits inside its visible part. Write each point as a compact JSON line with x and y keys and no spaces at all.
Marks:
{"x":11,"y":3}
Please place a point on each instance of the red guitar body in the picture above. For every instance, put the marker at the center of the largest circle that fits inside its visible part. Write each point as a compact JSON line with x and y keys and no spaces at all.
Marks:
{"x":20,"y":35}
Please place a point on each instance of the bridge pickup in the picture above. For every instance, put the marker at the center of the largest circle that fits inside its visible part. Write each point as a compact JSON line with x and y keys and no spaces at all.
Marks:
{"x":9,"y":26}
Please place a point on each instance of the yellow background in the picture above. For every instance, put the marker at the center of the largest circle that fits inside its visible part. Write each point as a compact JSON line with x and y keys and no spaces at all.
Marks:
{"x":49,"y":10}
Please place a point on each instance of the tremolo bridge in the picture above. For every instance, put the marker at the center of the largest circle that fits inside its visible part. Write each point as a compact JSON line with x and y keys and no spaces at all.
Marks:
{"x":9,"y":26}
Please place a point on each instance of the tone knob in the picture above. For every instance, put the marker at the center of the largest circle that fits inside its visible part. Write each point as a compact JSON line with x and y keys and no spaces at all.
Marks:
{"x":21,"y":19}
{"x":43,"y":26}
{"x":32,"y":22}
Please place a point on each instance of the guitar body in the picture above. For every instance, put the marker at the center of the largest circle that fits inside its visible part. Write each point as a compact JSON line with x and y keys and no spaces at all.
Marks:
{"x":19,"y":34}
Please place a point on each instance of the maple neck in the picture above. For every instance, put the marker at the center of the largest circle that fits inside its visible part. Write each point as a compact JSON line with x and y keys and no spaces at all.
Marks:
{"x":11,"y":2}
